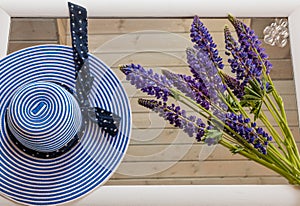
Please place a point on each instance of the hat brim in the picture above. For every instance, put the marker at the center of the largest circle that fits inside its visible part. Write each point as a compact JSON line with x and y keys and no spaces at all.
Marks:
{"x":32,"y":181}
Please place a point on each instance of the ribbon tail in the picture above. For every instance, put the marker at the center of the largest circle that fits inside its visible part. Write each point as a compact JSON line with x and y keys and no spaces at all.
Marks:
{"x":108,"y":121}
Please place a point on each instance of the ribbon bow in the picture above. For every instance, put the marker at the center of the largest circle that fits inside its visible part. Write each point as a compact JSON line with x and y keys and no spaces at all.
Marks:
{"x":108,"y":121}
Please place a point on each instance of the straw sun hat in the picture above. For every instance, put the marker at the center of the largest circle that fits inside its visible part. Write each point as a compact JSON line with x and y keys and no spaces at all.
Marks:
{"x":65,"y":120}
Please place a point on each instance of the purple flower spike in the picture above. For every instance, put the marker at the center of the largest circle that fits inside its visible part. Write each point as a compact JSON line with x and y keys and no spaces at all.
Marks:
{"x":251,"y":45}
{"x":242,"y":64}
{"x":148,"y":81}
{"x":202,"y":38}
{"x":234,"y":85}
{"x":190,"y":124}
{"x":190,"y":87}
{"x":205,"y":71}
{"x":254,"y":135}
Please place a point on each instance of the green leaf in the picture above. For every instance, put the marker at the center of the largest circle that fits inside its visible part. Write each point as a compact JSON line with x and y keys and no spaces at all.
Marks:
{"x":250,"y":97}
{"x":270,"y":89}
{"x":212,"y":136}
{"x":256,"y":87}
{"x":252,"y":92}
{"x":256,"y":110}
{"x":254,"y":96}
{"x":233,"y":105}
{"x":237,"y":150}
{"x":175,"y":94}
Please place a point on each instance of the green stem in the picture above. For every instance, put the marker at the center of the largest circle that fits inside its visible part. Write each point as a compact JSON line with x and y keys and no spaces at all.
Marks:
{"x":282,"y":161}
{"x":241,"y":109}
{"x":277,"y":98}
{"x":293,"y":179}
{"x":283,"y":118}
{"x":273,"y":132}
{"x":240,"y":139}
{"x":272,"y":158}
{"x":291,"y":144}
{"x":228,"y":105}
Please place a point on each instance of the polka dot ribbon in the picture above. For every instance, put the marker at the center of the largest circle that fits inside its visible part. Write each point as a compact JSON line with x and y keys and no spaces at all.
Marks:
{"x":108,"y":121}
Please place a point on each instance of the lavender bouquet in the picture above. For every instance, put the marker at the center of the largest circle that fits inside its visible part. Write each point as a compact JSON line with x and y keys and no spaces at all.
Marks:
{"x":227,"y":107}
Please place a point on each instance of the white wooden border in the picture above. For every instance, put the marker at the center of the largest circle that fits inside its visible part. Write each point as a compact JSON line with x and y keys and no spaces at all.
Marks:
{"x":4,"y":32}
{"x":196,"y":195}
{"x":294,"y":28}
{"x":173,"y":195}
{"x":150,"y":8}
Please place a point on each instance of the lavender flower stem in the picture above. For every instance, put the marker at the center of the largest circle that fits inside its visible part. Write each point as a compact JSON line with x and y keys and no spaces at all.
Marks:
{"x":241,"y":109}
{"x":277,"y":98}
{"x":290,"y":143}
{"x":222,"y":123}
{"x":290,"y":177}
{"x":286,"y":130}
{"x":275,"y":159}
{"x":241,"y":139}
{"x":176,"y":93}
{"x":280,"y":118}
{"x":279,"y":158}
{"x":228,"y":105}
{"x":274,"y":93}
{"x":192,"y":102}
{"x":273,"y":132}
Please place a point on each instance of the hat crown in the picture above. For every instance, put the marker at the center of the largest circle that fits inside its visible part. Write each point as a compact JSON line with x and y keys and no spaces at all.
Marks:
{"x":43,"y":116}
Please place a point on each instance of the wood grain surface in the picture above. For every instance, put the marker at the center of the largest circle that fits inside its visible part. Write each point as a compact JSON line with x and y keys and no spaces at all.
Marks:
{"x":158,"y":152}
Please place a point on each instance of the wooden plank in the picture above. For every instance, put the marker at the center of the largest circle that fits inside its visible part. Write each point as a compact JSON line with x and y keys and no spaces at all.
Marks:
{"x":276,"y":180}
{"x":239,"y":168}
{"x":174,"y":136}
{"x":276,"y":73}
{"x":259,"y":24}
{"x":187,"y":152}
{"x":145,"y":40}
{"x":162,"y":41}
{"x":168,"y":59}
{"x":282,"y":69}
{"x":119,"y":26}
{"x":62,"y":31}
{"x":289,"y":103}
{"x":33,"y":29}
{"x":152,"y":120}
{"x":17,"y":45}
{"x":172,"y":152}
{"x":284,"y":87}
{"x":277,"y":52}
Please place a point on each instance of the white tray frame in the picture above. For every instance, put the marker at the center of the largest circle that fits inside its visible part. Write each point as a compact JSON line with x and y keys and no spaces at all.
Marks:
{"x":186,"y":194}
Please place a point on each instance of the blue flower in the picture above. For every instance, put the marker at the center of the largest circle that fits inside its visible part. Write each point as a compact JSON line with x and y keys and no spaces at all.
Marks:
{"x":196,"y":90}
{"x":201,"y":37}
{"x":174,"y":115}
{"x":206,"y":72}
{"x":251,"y":46}
{"x":234,"y":85}
{"x":252,"y":134}
{"x":148,"y":81}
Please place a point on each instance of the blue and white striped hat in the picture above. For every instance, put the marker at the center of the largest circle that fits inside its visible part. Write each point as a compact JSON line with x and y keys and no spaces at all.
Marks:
{"x":65,"y":120}
{"x":49,"y":152}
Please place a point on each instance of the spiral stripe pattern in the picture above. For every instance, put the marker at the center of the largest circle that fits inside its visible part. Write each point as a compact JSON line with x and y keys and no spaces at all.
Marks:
{"x":43,"y":116}
{"x":33,"y":181}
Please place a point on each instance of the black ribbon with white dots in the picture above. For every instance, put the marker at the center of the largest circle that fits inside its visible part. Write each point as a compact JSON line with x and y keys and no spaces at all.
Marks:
{"x":44,"y":155}
{"x":108,"y":121}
